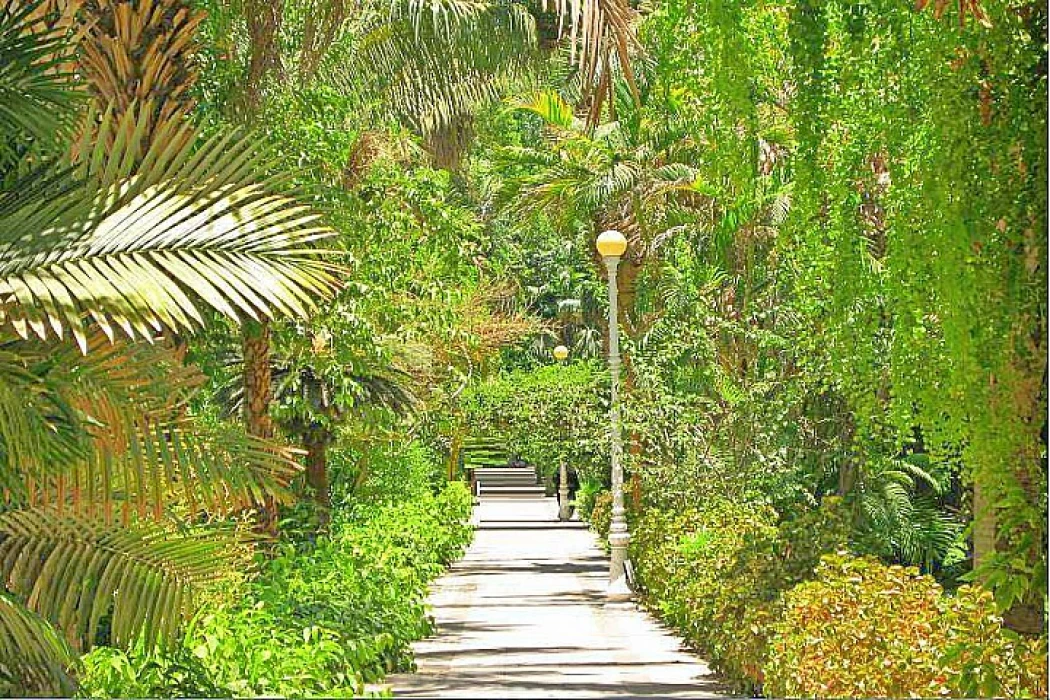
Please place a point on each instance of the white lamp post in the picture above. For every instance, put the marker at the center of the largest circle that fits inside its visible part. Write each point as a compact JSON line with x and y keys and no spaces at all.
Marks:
{"x":612,"y":245}
{"x":560,"y":353}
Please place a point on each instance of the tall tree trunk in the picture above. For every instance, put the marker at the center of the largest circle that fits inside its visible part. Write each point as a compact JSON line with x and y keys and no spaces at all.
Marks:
{"x":447,"y":144}
{"x":316,"y":443}
{"x":264,"y":19}
{"x":255,"y":340}
{"x":255,"y":344}
{"x":984,"y":537}
{"x":264,"y":23}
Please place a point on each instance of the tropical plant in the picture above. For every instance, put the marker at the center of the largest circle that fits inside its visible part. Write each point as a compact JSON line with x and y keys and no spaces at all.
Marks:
{"x":320,"y":390}
{"x":634,"y":175}
{"x":127,"y":242}
{"x":434,"y":64}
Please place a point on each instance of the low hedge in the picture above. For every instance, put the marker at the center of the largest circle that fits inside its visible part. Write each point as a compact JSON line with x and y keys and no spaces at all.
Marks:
{"x":862,"y":628}
{"x":777,"y":609}
{"x":324,"y":618}
{"x":716,"y":573}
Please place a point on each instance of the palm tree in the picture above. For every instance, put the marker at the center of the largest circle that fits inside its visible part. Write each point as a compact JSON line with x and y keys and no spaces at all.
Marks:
{"x":323,"y":390}
{"x":103,"y":470}
{"x":636,"y":175}
{"x":433,"y":65}
{"x":430,"y":65}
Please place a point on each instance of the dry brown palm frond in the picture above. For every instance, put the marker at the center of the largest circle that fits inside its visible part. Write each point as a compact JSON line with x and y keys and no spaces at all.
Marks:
{"x":966,"y":8}
{"x":599,"y":31}
{"x":141,"y":52}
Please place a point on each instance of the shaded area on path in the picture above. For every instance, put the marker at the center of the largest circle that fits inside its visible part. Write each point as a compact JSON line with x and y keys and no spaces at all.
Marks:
{"x":524,"y":615}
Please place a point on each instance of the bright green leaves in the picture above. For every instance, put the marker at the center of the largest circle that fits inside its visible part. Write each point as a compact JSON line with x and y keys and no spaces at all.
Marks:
{"x":139,"y":235}
{"x":76,"y":572}
{"x":550,"y":106}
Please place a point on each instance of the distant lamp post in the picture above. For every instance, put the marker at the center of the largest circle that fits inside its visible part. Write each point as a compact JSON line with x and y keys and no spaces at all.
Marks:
{"x":560,"y":353}
{"x":612,"y":245}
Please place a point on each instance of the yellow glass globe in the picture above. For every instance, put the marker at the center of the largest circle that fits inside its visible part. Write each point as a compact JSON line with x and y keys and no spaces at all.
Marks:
{"x":611,"y":244}
{"x":560,"y":353}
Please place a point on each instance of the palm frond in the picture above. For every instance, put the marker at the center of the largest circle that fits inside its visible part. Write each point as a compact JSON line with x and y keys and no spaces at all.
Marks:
{"x":598,"y":31}
{"x":137,"y":236}
{"x":35,"y":94}
{"x":436,"y":61}
{"x":550,"y":106}
{"x":34,"y":658}
{"x":109,"y":430}
{"x":77,"y":572}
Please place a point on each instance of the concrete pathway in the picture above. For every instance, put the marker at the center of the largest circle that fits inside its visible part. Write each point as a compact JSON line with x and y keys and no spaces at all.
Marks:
{"x":523,"y":615}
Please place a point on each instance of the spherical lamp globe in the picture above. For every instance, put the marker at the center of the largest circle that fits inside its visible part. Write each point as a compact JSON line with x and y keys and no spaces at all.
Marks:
{"x":611,"y":244}
{"x":560,"y":353}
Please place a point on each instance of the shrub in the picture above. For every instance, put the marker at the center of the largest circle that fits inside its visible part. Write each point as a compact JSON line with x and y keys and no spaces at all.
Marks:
{"x":981,"y":657}
{"x":108,"y":672}
{"x":601,"y":515}
{"x":866,"y":629}
{"x":324,"y":618}
{"x":698,"y":576}
{"x":585,"y":495}
{"x":716,"y":574}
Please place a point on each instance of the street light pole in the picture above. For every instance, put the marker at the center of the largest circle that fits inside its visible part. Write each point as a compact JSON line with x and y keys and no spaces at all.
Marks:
{"x":612,"y":245}
{"x":560,"y":353}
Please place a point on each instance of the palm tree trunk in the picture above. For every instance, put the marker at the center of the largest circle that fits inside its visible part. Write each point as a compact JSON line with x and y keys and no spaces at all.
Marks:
{"x":255,"y":344}
{"x":316,"y":444}
{"x":255,"y":341}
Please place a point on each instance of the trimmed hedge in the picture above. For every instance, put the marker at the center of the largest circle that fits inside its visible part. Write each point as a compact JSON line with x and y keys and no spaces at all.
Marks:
{"x":716,"y":575}
{"x":323,"y":619}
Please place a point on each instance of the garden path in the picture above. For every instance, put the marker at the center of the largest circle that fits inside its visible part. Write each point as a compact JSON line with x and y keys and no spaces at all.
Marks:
{"x":523,"y":615}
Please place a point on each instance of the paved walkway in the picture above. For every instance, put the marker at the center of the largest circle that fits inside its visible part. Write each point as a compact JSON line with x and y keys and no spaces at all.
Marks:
{"x":523,"y":615}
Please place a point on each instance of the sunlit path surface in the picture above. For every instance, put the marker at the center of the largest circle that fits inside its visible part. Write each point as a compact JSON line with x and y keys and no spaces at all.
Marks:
{"x":523,"y":615}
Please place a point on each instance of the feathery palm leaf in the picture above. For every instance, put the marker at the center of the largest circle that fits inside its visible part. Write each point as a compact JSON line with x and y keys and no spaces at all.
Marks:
{"x":76,"y":572}
{"x":109,"y":429}
{"x":34,"y":658}
{"x":34,"y":86}
{"x":434,"y":63}
{"x":632,"y":174}
{"x":550,"y":106}
{"x":137,"y":236}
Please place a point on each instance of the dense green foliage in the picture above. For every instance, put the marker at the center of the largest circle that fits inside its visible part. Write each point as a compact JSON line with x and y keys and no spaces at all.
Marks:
{"x":323,"y":617}
{"x":547,"y":415}
{"x":835,"y":288}
{"x":929,"y":644}
{"x":716,"y":573}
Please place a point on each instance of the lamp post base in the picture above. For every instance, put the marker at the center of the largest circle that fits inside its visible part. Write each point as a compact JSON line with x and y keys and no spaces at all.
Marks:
{"x":618,"y":591}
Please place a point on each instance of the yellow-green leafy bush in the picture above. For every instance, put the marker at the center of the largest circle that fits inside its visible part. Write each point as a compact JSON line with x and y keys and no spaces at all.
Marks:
{"x":862,"y":628}
{"x":716,"y":574}
{"x":601,"y":514}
